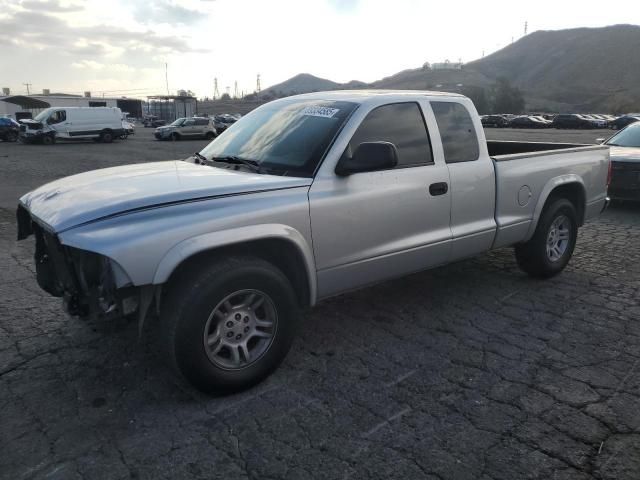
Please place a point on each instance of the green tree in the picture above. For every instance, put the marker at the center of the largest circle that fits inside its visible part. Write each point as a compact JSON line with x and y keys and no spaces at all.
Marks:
{"x":505,"y":98}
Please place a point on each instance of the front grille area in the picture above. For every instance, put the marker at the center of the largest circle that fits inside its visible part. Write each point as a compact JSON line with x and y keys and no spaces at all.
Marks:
{"x":625,"y":180}
{"x":52,"y":269}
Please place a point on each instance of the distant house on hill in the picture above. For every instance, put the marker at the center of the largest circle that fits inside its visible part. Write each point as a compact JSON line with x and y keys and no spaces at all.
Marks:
{"x":447,"y":65}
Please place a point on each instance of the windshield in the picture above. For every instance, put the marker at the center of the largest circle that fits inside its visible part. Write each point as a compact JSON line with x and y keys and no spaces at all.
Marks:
{"x":178,"y":122}
{"x":286,"y":137}
{"x":43,"y":115}
{"x":629,"y":137}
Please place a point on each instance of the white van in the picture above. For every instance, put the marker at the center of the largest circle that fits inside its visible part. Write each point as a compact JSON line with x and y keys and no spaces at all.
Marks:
{"x":98,"y":123}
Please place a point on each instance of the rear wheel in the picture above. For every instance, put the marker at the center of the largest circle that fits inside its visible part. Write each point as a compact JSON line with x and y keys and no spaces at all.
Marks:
{"x":11,"y":137}
{"x":229,"y":324}
{"x":210,"y":136}
{"x":175,"y":137}
{"x":551,"y":247}
{"x":48,"y":140}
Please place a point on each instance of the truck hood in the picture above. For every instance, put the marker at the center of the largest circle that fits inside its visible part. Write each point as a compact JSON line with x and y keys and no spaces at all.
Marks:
{"x":625,"y":154}
{"x":89,"y":196}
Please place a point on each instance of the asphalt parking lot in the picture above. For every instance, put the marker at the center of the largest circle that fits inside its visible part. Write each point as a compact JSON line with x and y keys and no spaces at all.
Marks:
{"x":470,"y":371}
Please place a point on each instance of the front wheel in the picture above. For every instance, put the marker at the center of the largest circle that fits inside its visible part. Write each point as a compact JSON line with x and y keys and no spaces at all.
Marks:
{"x":227,"y":325}
{"x":551,"y":247}
{"x":106,"y":136}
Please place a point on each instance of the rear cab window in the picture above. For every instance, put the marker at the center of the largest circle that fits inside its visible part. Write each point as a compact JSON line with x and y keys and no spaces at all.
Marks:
{"x":401,"y":124}
{"x":457,"y":132}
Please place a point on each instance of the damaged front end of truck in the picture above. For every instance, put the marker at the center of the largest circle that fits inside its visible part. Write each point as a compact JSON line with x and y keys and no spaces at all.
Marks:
{"x":91,"y":285}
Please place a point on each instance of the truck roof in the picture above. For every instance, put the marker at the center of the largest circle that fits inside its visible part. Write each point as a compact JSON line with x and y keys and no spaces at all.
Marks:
{"x":365,"y":96}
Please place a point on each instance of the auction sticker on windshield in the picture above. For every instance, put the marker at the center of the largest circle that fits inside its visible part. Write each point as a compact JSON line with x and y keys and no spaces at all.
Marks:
{"x":325,"y":112}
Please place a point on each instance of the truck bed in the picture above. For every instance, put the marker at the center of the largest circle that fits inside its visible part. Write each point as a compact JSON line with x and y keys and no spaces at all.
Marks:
{"x":526,"y":171}
{"x":509,"y":150}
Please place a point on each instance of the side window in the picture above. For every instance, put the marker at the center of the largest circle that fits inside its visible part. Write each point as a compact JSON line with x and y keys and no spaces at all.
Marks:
{"x":57,"y":117}
{"x":459,"y":138}
{"x":202,"y":121}
{"x":188,"y":123}
{"x":398,"y":123}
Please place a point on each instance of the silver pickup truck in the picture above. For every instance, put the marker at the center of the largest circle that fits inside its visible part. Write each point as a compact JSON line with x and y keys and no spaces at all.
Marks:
{"x":304,"y":198}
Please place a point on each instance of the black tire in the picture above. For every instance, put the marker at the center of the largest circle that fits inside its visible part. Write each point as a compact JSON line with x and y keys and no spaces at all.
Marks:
{"x":193,"y":296}
{"x":210,"y":136}
{"x":11,"y":137}
{"x":48,"y":140}
{"x":175,"y":137}
{"x":106,"y":136}
{"x":533,"y":257}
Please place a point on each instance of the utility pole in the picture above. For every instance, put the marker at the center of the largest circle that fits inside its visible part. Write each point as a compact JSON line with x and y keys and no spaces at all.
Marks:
{"x":235,"y":89}
{"x":258,"y":84}
{"x":216,"y":92}
{"x":28,"y":85}
{"x":526,"y":27}
{"x":166,"y":76}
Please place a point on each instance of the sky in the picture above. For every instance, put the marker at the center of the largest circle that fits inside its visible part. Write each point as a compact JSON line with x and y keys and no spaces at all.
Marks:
{"x":74,"y":46}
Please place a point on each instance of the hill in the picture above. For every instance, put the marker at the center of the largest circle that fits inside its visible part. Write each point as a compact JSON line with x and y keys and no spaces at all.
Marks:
{"x":305,"y":83}
{"x":588,"y":68}
{"x":580,"y":69}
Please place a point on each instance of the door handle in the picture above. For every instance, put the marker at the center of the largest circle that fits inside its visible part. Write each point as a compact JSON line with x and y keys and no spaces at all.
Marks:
{"x":439,"y":188}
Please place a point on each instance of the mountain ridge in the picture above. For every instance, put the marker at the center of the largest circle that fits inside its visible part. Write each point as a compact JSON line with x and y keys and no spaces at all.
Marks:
{"x":573,"y":69}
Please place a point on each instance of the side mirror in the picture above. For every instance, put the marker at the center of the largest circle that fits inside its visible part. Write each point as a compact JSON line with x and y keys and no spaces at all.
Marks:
{"x":369,"y":157}
{"x":600,"y":140}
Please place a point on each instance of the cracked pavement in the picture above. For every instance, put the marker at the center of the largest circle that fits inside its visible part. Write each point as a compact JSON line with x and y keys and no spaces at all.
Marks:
{"x":469,"y":371}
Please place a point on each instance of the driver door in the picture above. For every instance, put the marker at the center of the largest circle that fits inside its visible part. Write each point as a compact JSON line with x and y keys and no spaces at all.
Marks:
{"x":375,"y":225}
{"x":57,"y":121}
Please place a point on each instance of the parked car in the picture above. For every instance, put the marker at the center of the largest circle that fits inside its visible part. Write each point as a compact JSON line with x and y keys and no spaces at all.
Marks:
{"x":621,"y":122}
{"x":128,"y":127}
{"x":224,"y":121}
{"x":188,"y":127}
{"x":497,"y":121}
{"x":625,"y":163}
{"x":9,"y":129}
{"x":102,"y":124}
{"x":526,"y":121}
{"x":571,"y":121}
{"x":595,"y":120}
{"x":279,"y":212}
{"x":151,"y":121}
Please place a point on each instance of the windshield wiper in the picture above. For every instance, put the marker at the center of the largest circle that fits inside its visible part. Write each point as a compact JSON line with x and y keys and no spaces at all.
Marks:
{"x":232,"y":159}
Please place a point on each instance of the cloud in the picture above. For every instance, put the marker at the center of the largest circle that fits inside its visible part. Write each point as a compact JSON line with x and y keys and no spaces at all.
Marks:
{"x":42,"y":31}
{"x":111,"y":67}
{"x":344,"y":5}
{"x":165,"y":11}
{"x":53,"y":6}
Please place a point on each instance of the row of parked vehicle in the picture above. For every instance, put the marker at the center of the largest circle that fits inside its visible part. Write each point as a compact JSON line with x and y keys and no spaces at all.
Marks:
{"x":196,"y":127}
{"x":569,"y":120}
{"x":100,"y":124}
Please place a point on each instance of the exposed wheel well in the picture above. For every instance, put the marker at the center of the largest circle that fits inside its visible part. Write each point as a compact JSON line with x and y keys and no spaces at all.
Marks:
{"x":281,"y":253}
{"x":574,"y":192}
